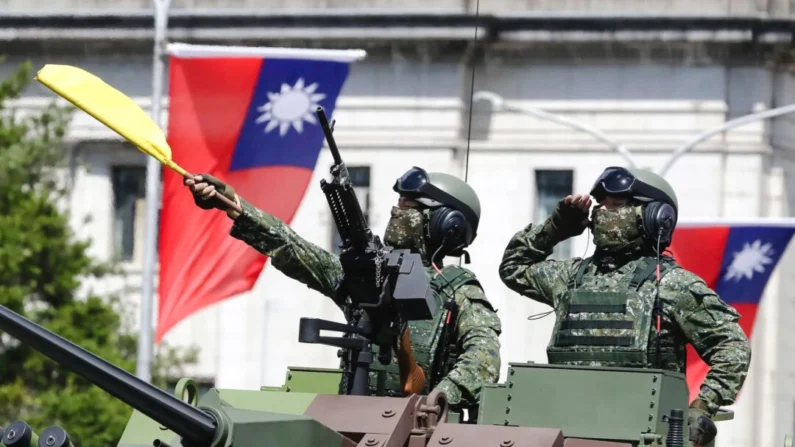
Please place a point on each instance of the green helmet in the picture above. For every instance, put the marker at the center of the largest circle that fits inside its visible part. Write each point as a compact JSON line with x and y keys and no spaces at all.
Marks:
{"x":455,"y":205}
{"x":640,"y":184}
{"x":659,"y":209}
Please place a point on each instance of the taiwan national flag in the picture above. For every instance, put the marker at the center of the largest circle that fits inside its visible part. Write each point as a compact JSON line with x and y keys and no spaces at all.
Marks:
{"x":735,"y":259}
{"x":246,"y":116}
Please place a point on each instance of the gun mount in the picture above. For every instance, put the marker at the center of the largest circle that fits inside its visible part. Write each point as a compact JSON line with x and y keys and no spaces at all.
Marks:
{"x":382,"y":288}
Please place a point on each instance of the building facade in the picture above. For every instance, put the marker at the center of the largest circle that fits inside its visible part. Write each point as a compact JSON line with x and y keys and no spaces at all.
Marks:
{"x":648,"y":83}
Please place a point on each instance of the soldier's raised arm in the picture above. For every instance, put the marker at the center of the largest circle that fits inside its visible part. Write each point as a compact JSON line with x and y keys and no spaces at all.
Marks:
{"x":291,"y":254}
{"x":525,"y":268}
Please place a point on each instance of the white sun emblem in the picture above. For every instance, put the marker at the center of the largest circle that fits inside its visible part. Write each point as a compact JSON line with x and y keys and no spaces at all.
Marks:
{"x":290,"y":107}
{"x":752,"y":258}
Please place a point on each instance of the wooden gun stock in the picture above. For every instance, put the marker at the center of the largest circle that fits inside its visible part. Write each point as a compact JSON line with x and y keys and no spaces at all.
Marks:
{"x":412,"y":377}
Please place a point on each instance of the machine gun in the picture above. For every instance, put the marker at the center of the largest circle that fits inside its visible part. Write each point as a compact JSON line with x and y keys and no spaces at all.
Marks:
{"x":382,"y":288}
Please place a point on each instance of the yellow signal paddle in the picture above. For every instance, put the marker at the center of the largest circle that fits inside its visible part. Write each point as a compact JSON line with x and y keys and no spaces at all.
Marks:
{"x":115,"y":110}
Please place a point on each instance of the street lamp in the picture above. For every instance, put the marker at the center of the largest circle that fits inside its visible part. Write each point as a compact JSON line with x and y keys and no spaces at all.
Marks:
{"x":758,"y":116}
{"x":498,"y":102}
{"x":143,"y":367}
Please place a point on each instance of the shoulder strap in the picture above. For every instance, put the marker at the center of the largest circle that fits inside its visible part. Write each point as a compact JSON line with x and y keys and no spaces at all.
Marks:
{"x":453,"y":276}
{"x":576,"y":279}
{"x":646,"y":269}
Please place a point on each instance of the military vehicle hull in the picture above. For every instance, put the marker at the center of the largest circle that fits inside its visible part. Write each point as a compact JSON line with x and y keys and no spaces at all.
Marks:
{"x":538,"y":406}
{"x":587,"y":406}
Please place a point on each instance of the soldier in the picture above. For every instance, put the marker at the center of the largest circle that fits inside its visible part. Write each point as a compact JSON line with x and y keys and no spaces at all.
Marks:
{"x":436,"y":216}
{"x":607,"y":313}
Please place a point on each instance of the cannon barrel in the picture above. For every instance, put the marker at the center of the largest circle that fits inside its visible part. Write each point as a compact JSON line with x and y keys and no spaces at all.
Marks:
{"x":191,"y":423}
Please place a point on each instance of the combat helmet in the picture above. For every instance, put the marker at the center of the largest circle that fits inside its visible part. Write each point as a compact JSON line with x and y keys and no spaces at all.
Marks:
{"x":454,"y":220}
{"x":659,"y":205}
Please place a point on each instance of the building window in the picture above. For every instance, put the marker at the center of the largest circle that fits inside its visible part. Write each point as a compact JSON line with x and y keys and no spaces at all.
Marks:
{"x":551,"y":187}
{"x":129,"y":206}
{"x":360,"y":177}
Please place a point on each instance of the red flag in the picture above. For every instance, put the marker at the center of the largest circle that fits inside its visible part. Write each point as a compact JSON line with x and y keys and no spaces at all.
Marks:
{"x":735,"y":260}
{"x":250,"y":122}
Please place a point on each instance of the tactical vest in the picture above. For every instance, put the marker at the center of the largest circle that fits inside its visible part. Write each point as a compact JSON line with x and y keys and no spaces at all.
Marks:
{"x":608,"y":323}
{"x":385,"y":379}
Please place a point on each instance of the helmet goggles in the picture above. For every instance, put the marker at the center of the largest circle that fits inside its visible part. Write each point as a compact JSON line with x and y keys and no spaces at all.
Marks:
{"x":415,"y":184}
{"x":619,"y":182}
{"x":614,"y":181}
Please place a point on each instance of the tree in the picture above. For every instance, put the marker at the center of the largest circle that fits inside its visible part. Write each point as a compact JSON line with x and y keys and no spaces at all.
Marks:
{"x":42,"y":266}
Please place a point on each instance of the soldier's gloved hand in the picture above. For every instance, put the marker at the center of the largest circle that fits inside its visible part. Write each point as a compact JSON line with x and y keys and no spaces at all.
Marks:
{"x":570,"y":217}
{"x":699,"y":420}
{"x":205,"y":187}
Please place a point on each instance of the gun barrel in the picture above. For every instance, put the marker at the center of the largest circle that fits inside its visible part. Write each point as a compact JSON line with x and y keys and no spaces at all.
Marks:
{"x":184,"y":419}
{"x":332,"y":145}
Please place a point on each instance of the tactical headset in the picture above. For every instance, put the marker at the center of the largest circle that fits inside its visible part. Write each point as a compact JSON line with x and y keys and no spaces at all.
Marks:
{"x":452,"y":225}
{"x":658,"y":211}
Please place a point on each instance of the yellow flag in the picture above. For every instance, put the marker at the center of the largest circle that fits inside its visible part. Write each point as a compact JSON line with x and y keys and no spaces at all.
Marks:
{"x":111,"y":107}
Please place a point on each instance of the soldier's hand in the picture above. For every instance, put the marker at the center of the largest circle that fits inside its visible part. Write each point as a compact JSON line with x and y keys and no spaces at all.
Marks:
{"x":205,"y":189}
{"x":570,"y":217}
{"x":699,"y":421}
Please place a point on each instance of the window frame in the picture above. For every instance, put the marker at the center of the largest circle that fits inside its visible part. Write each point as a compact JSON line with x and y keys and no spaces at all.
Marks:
{"x":564,"y":249}
{"x":137,"y":221}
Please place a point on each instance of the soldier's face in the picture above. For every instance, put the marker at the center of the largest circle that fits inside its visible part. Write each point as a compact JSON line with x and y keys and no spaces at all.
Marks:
{"x":612,"y":203}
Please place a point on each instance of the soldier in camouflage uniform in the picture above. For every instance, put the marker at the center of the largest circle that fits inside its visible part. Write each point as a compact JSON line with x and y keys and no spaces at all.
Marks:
{"x":436,"y":216}
{"x":606,"y":306}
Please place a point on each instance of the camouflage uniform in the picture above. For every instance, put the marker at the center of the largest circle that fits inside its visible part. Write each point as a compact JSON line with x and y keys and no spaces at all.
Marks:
{"x":475,"y":344}
{"x":603,"y":306}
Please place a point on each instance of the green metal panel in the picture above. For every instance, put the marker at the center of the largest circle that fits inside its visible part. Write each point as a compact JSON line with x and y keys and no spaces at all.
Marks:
{"x":493,"y":399}
{"x":272,"y":388}
{"x":599,"y":403}
{"x":284,"y":402}
{"x":313,"y":380}
{"x":453,"y":417}
{"x":141,"y":431}
{"x":253,"y":428}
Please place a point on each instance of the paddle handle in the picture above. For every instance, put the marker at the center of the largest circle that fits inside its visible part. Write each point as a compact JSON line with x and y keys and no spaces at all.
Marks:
{"x":230,"y":203}
{"x":412,"y":377}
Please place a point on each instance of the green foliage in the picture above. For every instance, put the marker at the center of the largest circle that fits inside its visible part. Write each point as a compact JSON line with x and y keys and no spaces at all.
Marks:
{"x":42,"y":267}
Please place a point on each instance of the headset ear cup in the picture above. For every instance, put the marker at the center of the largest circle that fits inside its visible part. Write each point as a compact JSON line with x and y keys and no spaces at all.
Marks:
{"x":657,"y":216}
{"x":448,"y":227}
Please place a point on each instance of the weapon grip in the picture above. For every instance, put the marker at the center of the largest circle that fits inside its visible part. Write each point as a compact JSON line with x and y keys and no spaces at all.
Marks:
{"x":412,"y":377}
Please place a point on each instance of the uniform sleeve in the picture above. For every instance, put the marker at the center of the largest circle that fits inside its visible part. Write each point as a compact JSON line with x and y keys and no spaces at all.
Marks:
{"x":478,"y":328}
{"x":291,"y":254}
{"x":526,"y":270}
{"x":712,"y":327}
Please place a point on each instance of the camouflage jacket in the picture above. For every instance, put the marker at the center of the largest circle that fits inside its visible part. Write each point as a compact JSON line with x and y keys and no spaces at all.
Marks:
{"x":692,"y":313}
{"x":477,"y":326}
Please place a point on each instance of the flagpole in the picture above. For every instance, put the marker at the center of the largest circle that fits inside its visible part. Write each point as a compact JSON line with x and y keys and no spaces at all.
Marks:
{"x":145,"y":338}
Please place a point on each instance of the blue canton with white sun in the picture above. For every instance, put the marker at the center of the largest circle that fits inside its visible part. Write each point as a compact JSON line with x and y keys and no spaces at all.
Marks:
{"x":286,"y":97}
{"x":290,"y":107}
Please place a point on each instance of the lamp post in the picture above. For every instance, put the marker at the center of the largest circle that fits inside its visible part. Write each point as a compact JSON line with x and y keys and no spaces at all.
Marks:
{"x":143,"y":368}
{"x":731,"y":124}
{"x":498,"y":102}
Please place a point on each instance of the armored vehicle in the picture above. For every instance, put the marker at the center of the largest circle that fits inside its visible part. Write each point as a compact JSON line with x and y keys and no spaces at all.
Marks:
{"x":538,"y":406}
